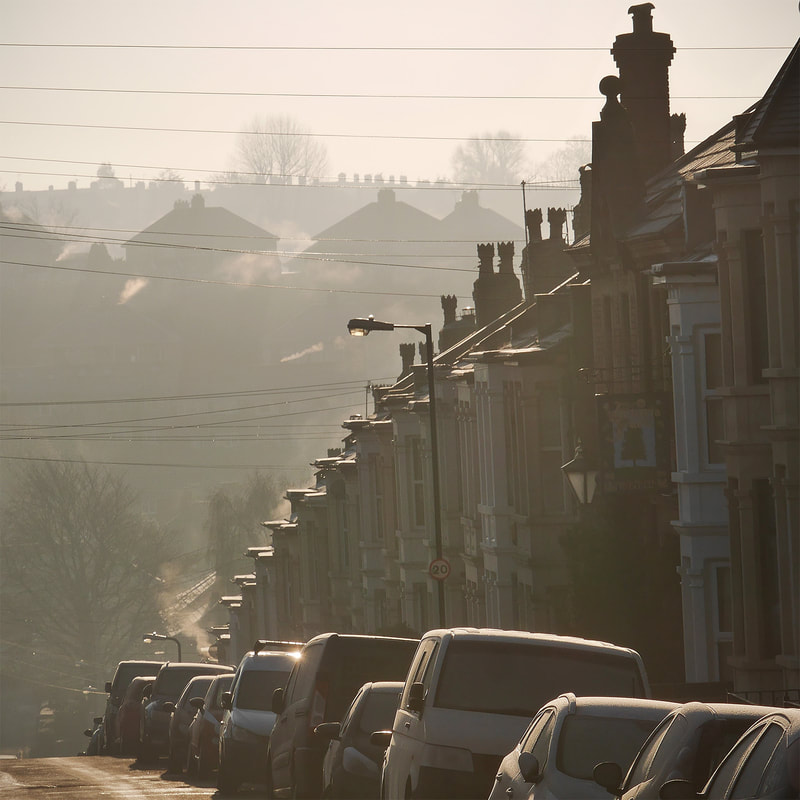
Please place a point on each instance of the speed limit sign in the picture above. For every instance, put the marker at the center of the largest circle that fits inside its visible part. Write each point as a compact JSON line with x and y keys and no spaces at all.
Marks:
{"x":439,"y":569}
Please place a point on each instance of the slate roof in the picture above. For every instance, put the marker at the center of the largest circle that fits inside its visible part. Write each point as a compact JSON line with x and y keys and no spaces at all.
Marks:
{"x":198,"y":220}
{"x":775,"y":119}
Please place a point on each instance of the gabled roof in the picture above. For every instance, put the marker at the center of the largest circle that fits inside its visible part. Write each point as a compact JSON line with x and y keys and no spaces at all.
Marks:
{"x":470,"y":215}
{"x":775,"y":119}
{"x":386,"y":218}
{"x":197,"y":219}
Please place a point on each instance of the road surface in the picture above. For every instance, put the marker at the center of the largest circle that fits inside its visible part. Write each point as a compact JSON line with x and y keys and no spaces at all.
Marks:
{"x":100,"y":778}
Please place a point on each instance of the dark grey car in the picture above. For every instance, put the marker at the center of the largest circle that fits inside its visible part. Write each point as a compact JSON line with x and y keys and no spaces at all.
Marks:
{"x":351,"y":767}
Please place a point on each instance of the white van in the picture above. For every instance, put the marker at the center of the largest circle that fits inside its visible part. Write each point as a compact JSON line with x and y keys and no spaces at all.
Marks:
{"x":470,"y":693}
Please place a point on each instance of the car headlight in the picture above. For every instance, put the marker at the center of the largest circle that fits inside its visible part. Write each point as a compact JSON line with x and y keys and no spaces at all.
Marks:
{"x":452,"y":758}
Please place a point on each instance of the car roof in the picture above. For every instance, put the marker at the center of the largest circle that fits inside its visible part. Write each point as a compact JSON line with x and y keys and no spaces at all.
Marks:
{"x":604,"y":705}
{"x":547,"y":639}
{"x":357,"y":636}
{"x":385,"y":686}
{"x":265,"y":660}
{"x":208,"y":667}
{"x":723,"y":710}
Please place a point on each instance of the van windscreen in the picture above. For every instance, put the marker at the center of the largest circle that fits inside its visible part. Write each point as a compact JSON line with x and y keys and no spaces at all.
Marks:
{"x":255,"y":688}
{"x":518,"y":679}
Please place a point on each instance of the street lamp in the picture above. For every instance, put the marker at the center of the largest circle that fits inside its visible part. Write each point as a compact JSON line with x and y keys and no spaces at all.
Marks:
{"x":362,"y":327}
{"x":582,"y":475}
{"x":161,"y":637}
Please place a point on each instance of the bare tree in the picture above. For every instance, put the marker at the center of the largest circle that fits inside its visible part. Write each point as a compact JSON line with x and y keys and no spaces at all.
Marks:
{"x":492,"y":158}
{"x":280,"y":146}
{"x":79,"y":566}
{"x":564,"y":163}
{"x":234,"y":518}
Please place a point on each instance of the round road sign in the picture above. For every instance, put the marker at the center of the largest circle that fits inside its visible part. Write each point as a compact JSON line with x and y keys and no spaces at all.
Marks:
{"x":439,"y":569}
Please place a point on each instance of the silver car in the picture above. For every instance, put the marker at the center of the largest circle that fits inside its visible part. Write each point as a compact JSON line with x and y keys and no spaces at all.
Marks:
{"x":556,"y":756}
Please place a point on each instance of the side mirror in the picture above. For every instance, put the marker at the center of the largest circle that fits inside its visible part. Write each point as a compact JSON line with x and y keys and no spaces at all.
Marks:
{"x":529,"y":767}
{"x":278,"y":702}
{"x":380,"y":739}
{"x":198,"y":703}
{"x":108,"y":687}
{"x":677,"y":789}
{"x":416,"y":697}
{"x":226,"y":700}
{"x":168,"y":706}
{"x":88,"y":732}
{"x":608,"y":775}
{"x":327,"y":730}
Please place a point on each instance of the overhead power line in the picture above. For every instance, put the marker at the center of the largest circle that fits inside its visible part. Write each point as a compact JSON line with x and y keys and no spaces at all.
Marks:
{"x":321,"y":256}
{"x":210,"y":282}
{"x":33,"y":227}
{"x":153,"y":464}
{"x":320,"y":387}
{"x":241,"y":132}
{"x":363,"y":49}
{"x":346,"y":95}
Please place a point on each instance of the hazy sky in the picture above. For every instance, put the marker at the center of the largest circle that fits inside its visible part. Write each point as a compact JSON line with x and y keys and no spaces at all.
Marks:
{"x":726,"y":58}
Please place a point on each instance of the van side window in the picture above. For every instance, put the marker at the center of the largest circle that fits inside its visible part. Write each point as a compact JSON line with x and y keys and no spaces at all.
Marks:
{"x":419,"y":669}
{"x":302,"y":678}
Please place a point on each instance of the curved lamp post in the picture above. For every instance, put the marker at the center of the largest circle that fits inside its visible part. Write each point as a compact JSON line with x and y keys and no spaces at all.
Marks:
{"x":582,"y":474}
{"x":361,"y":327}
{"x":159,"y":637}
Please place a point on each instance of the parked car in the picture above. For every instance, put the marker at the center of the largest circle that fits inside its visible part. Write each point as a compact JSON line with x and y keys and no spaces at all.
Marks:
{"x":168,"y":685}
{"x":688,"y":744}
{"x":96,"y":737}
{"x":125,"y":672}
{"x":248,"y":718}
{"x":470,"y":694}
{"x":182,"y":714}
{"x":203,"y":751}
{"x":324,"y":681}
{"x":131,"y":713}
{"x":351,"y":767}
{"x":764,"y":764}
{"x":557,"y":754}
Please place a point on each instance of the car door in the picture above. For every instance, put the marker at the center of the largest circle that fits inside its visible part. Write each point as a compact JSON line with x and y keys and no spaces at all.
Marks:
{"x":297,"y":699}
{"x":510,"y":782}
{"x":408,"y":731}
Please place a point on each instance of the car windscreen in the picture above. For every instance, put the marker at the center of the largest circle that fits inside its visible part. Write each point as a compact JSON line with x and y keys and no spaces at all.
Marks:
{"x":255,"y":687}
{"x":587,"y":741}
{"x":171,"y":682}
{"x":378,"y":713}
{"x":509,"y":678}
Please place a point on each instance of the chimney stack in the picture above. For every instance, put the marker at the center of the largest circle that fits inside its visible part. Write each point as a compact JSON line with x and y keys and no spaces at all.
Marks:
{"x":643,"y":58}
{"x":407,"y":357}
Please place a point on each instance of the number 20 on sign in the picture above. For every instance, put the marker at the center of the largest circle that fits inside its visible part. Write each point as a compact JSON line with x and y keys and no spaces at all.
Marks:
{"x":439,"y":569}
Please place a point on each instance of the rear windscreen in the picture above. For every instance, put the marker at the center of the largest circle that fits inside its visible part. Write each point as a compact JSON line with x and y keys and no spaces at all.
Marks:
{"x":378,"y":713}
{"x":518,"y":679}
{"x":356,"y":662}
{"x":255,"y":687}
{"x":172,"y":682}
{"x":585,"y":741}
